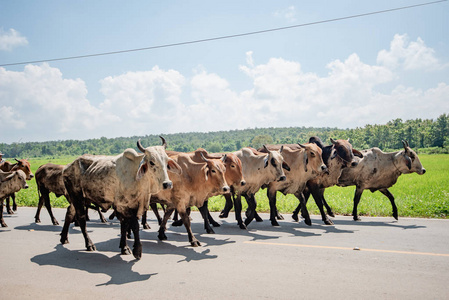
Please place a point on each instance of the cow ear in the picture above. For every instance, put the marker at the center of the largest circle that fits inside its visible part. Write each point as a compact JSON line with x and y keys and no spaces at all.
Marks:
{"x":143,"y":168}
{"x":306,"y":161}
{"x":334,"y":154}
{"x":357,"y":153}
{"x":265,"y":161}
{"x":173,"y":167}
{"x":206,"y":170}
{"x":408,"y":162}
{"x":285,"y":166}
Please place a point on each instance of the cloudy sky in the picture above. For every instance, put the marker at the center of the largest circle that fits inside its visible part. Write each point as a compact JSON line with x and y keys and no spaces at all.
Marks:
{"x":345,"y":74}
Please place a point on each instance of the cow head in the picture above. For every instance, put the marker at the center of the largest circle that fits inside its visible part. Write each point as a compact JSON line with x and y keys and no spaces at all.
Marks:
{"x":275,"y":161}
{"x":313,"y":158}
{"x":24,"y":165}
{"x":342,"y":149}
{"x":410,"y":159}
{"x":17,"y":178}
{"x":233,"y":174}
{"x":214,"y":171}
{"x":156,"y":163}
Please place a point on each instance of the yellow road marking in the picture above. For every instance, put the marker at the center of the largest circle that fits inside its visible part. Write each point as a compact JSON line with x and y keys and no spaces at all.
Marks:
{"x":347,"y":248}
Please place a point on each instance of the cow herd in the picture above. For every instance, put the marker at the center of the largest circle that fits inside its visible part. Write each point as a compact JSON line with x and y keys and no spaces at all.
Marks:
{"x":132,"y":182}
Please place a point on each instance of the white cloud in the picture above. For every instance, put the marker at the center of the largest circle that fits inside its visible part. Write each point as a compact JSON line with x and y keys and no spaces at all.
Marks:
{"x":39,"y":104}
{"x":288,"y":13}
{"x":11,"y":39}
{"x":409,"y":55}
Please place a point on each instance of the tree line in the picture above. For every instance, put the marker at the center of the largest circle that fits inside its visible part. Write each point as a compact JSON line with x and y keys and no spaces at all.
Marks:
{"x":424,"y":135}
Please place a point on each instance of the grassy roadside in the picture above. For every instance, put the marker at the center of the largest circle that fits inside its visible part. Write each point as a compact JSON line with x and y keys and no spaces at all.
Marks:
{"x":416,"y":196}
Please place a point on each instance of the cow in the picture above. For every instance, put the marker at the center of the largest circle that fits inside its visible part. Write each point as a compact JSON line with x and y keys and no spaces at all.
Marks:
{"x":124,"y":182}
{"x":378,"y":171}
{"x":233,"y":174}
{"x":21,"y":164}
{"x":337,"y":156}
{"x":305,"y":164}
{"x":192,"y":187}
{"x":10,"y":182}
{"x":49,"y":180}
{"x":259,"y":169}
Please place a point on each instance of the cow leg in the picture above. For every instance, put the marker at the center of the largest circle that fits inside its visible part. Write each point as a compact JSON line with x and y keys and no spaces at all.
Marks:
{"x":145,"y":224}
{"x":8,"y":208}
{"x":252,"y":204}
{"x":81,"y":214}
{"x":357,"y":196}
{"x":186,"y":220}
{"x":238,"y":210}
{"x":137,"y":246}
{"x":204,"y":213}
{"x":124,"y":227}
{"x":390,"y":196}
{"x":273,"y":211}
{"x":304,"y":211}
{"x":100,"y":215}
{"x":39,"y":204}
{"x":211,"y":220}
{"x":156,"y":212}
{"x":163,"y":226}
{"x":14,"y":204}
{"x":228,"y":206}
{"x":318,"y":196}
{"x":69,"y":217}
{"x":306,"y":194}
{"x":176,"y":221}
{"x":328,"y":208}
{"x":2,"y":222}
{"x":48,"y":207}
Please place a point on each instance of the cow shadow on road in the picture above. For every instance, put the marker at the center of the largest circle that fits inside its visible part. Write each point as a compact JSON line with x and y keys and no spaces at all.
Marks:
{"x":119,"y":270}
{"x":378,"y":223}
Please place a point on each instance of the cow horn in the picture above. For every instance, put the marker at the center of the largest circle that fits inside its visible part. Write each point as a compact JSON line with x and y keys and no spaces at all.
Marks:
{"x":266,"y":149}
{"x":202,"y":156}
{"x":333,"y":141}
{"x":405,"y":144}
{"x":223,"y":159}
{"x":139,"y":145}
{"x":282,"y":148}
{"x":302,"y":146}
{"x":164,"y":142}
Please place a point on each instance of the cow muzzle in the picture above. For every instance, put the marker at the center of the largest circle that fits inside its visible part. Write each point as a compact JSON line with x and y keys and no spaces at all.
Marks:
{"x":226,"y":189}
{"x":282,"y":178}
{"x":167,"y":185}
{"x":324,"y":169}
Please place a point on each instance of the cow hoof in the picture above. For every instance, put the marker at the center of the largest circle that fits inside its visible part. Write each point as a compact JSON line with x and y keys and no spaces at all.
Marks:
{"x":137,"y":252}
{"x":395,"y":215}
{"x":128,"y":235}
{"x":223,"y":215}
{"x":258,"y":219}
{"x":54,"y":222}
{"x":210,"y":231}
{"x":162,"y":236}
{"x":146,"y":226}
{"x":4,"y":224}
{"x":126,"y":251}
{"x":242,"y":226}
{"x":10,"y":212}
{"x":177,"y":223}
{"x":215,"y":224}
{"x":308,"y":222}
{"x":331,"y":214}
{"x":37,"y":221}
{"x":274,"y":222}
{"x":357,"y":219}
{"x":64,"y":241}
{"x":279,"y":217}
{"x":91,"y":248}
{"x":295,"y":217}
{"x":328,"y":222}
{"x":195,"y":243}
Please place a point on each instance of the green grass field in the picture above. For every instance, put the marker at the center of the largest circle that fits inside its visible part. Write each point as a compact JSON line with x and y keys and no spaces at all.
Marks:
{"x":416,"y":195}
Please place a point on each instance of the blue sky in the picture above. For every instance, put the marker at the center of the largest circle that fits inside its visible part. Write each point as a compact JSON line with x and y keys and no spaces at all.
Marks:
{"x":345,"y":74}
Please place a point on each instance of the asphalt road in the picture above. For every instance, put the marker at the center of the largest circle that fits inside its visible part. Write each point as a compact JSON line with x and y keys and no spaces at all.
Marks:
{"x":377,"y":258}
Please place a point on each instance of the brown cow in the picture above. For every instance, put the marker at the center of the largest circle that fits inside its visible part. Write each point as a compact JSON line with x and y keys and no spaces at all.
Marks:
{"x":21,"y":164}
{"x":196,"y":183}
{"x":233,"y":175}
{"x":49,"y":180}
{"x":124,"y":182}
{"x":337,"y":156}
{"x":305,"y":163}
{"x":378,"y":171}
{"x":10,"y":182}
{"x":259,"y":169}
